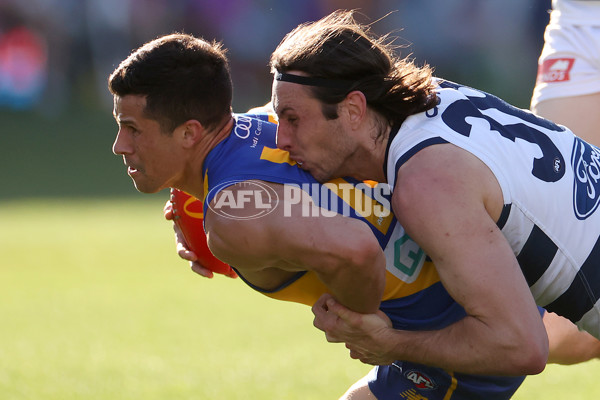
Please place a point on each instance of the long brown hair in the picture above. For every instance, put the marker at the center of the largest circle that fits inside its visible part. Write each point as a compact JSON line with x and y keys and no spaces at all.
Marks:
{"x":338,"y":48}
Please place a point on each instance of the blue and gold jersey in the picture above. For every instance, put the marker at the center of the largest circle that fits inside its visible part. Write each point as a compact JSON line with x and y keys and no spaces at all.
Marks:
{"x":414,"y":298}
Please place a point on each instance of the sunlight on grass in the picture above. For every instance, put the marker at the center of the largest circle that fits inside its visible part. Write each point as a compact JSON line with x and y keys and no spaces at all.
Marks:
{"x":95,"y":304}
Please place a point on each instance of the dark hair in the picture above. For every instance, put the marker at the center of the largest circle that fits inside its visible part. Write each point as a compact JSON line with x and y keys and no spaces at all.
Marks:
{"x":338,"y":48}
{"x":182,"y":77}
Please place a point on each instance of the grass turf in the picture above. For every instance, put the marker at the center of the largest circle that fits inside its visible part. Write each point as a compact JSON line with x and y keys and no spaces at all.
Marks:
{"x":95,"y":304}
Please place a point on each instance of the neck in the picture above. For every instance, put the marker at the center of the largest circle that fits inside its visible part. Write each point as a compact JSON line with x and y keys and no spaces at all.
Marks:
{"x":193,"y":179}
{"x":367,"y":162}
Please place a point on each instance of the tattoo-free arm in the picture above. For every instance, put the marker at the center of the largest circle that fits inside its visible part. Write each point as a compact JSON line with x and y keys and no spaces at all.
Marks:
{"x":444,"y":198}
{"x":342,"y":251}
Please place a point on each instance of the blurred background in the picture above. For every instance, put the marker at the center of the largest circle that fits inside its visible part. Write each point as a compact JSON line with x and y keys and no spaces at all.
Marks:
{"x":56,"y":127}
{"x":94,"y":302}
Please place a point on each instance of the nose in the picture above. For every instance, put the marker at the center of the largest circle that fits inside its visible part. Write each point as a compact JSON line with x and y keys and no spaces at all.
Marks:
{"x":121,"y":145}
{"x":283,"y":138}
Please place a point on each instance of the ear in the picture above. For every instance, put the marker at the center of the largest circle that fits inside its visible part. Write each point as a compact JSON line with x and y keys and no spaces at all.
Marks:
{"x":356,"y":107}
{"x":190,"y":132}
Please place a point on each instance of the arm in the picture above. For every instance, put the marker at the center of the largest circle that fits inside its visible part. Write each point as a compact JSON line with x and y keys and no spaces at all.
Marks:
{"x":370,"y":336}
{"x":448,"y":202}
{"x":447,"y":211}
{"x":569,"y":345}
{"x":342,"y":251}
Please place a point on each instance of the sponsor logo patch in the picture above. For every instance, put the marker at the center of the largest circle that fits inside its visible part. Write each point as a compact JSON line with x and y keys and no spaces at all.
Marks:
{"x":555,"y":70}
{"x":585,"y":161}
{"x":420,"y":380}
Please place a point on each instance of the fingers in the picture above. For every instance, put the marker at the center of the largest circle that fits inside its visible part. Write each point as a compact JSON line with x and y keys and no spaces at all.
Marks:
{"x":324,"y":319}
{"x":185,"y":253}
{"x":200,"y":270}
{"x":320,"y":312}
{"x":168,"y":210}
{"x":339,"y":310}
{"x":182,"y":247}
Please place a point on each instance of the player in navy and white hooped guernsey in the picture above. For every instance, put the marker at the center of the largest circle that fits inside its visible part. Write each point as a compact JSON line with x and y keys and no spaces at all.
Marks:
{"x":559,"y":252}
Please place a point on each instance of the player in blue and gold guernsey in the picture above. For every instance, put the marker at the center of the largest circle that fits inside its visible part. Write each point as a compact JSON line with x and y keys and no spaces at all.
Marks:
{"x":172,"y":102}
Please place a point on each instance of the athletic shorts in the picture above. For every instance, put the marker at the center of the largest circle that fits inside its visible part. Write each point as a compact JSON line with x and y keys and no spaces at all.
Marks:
{"x":570,"y":61}
{"x":403,"y":380}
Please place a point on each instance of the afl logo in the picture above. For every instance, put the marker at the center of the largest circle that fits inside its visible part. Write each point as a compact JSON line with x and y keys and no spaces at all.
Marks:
{"x":420,"y":380}
{"x":585,"y":161}
{"x":243,"y":200}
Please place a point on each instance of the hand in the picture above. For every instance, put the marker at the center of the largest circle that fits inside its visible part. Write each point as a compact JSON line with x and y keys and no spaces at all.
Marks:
{"x":182,"y":247}
{"x":369,"y":337}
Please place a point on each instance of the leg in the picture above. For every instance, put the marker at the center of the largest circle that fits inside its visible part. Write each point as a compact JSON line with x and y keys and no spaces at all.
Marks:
{"x":359,"y":391}
{"x":579,"y":113}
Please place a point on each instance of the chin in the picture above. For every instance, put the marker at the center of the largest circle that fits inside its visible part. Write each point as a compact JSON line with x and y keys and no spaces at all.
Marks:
{"x":145,"y":189}
{"x":321,"y":176}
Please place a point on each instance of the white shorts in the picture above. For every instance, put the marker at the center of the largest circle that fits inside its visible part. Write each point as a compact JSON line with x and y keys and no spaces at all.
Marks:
{"x":570,"y":62}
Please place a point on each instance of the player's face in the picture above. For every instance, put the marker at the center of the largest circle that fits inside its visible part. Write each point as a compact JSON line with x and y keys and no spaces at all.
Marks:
{"x":152,"y":156}
{"x":318,"y":145}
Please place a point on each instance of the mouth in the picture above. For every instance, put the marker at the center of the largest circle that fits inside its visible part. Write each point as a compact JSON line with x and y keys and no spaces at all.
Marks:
{"x":297,"y":160}
{"x":131,"y":171}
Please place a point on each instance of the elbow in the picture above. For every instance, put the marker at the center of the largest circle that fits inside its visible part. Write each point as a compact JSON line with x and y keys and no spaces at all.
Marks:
{"x":537,"y":358}
{"x":369,"y":255}
{"x":530,"y":357}
{"x":357,"y":277}
{"x":531,"y":363}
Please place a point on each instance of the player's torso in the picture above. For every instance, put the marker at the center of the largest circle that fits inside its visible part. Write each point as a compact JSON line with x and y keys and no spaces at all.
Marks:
{"x":414,"y":297}
{"x":550,"y":181}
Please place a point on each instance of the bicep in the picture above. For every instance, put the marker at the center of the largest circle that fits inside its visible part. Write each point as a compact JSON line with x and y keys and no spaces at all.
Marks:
{"x":294,"y":237}
{"x":446,"y":211}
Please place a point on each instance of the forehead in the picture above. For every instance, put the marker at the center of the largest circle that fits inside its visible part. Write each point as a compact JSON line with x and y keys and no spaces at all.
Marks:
{"x":288,"y":96}
{"x":129,"y":107}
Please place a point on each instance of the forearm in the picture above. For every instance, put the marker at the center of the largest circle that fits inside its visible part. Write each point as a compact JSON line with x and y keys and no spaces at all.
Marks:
{"x":467,"y":346}
{"x":357,"y":282}
{"x":569,"y":345}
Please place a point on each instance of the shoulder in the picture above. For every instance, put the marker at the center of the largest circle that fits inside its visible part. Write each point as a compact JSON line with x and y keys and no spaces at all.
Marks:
{"x":443,"y":177}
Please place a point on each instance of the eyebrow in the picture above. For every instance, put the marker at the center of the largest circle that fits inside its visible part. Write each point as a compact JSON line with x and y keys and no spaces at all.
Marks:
{"x":124,"y":121}
{"x":284,"y":110}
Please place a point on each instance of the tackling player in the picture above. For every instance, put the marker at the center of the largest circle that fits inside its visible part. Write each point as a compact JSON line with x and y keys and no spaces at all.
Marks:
{"x":499,"y":198}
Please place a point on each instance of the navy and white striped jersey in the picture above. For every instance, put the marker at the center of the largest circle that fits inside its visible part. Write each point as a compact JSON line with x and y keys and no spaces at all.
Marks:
{"x":550,"y":180}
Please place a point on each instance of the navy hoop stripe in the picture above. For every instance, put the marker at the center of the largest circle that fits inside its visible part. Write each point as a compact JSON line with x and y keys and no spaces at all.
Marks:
{"x":573,"y":303}
{"x":536,"y":255}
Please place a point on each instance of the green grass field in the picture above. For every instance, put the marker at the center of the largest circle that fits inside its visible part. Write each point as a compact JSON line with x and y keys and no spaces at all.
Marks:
{"x":95,"y":304}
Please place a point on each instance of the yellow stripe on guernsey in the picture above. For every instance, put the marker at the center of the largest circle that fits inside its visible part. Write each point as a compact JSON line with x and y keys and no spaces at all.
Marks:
{"x":276,"y":155}
{"x":273,"y":119}
{"x":205,"y":186}
{"x":452,"y":387}
{"x":340,"y":187}
{"x":309,"y":288}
